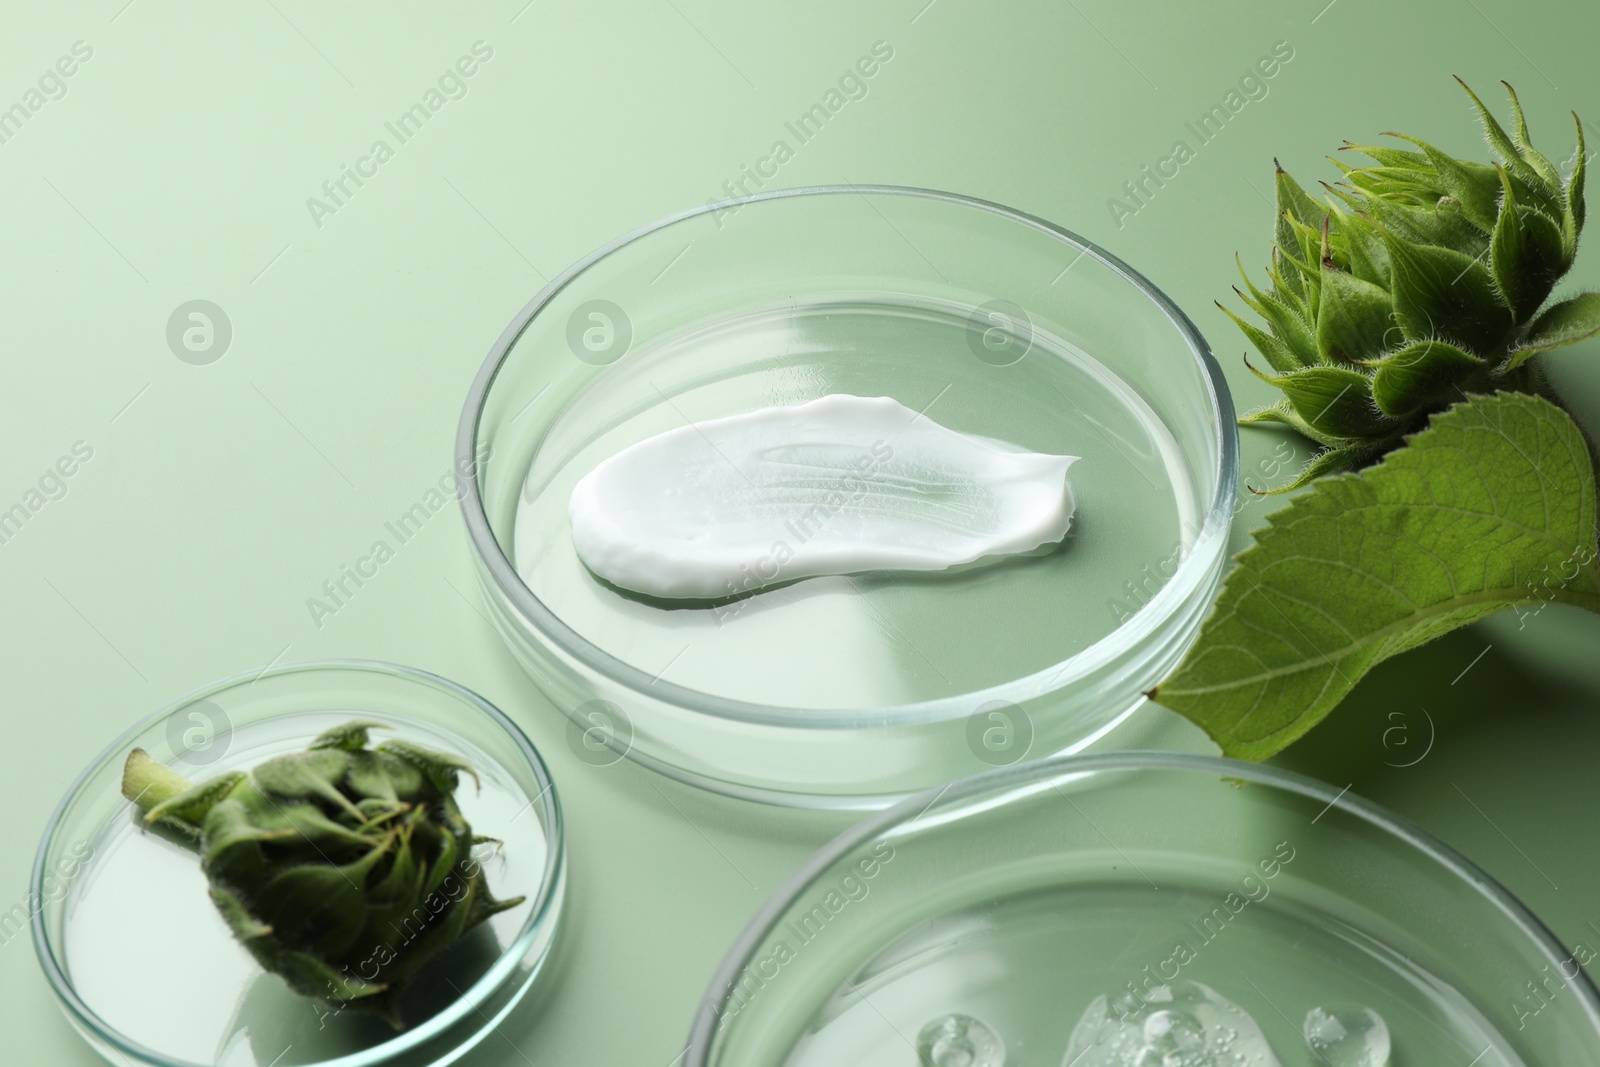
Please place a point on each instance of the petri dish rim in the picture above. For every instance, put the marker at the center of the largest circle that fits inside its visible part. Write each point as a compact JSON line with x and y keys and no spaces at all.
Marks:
{"x":1043,"y":773}
{"x":539,"y":915}
{"x":1191,"y":574}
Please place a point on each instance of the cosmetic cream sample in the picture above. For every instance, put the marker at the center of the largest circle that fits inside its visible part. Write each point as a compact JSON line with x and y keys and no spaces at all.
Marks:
{"x":840,"y":485}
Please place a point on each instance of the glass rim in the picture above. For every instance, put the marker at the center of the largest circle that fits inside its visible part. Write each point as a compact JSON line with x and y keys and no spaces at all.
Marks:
{"x":1191,"y":575}
{"x":492,"y":979}
{"x":1076,"y":766}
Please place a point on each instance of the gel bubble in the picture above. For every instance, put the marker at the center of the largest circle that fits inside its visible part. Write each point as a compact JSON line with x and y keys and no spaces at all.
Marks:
{"x":1181,"y":1024}
{"x":960,"y":1041}
{"x":1348,"y":1037}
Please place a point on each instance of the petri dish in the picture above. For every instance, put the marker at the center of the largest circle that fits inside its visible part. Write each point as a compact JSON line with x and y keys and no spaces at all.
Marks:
{"x":855,"y":690}
{"x":1130,"y":908}
{"x":148,"y":972}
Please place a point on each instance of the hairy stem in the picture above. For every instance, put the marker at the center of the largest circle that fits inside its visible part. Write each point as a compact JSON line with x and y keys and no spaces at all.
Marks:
{"x":147,"y":781}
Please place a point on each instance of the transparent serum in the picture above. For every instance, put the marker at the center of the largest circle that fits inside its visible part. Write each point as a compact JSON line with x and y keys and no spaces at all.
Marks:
{"x":839,"y":485}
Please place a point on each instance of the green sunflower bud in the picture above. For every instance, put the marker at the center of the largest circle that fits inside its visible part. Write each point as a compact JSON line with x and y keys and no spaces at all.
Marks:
{"x":342,"y":869}
{"x":1417,"y":280}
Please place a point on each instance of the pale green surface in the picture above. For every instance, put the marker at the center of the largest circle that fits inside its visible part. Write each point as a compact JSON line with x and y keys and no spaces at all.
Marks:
{"x":186,"y":548}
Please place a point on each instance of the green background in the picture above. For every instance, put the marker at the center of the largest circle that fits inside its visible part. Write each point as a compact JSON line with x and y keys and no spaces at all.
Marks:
{"x":219,"y":497}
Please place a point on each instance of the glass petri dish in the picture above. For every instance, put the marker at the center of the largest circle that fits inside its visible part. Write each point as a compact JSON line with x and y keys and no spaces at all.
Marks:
{"x":1099,"y":908}
{"x":854,"y":691}
{"x":148,"y":973}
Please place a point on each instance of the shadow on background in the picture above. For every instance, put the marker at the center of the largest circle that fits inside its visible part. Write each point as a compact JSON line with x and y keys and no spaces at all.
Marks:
{"x":1489,"y":738}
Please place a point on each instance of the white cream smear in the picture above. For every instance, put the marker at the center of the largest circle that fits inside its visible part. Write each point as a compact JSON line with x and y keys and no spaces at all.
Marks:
{"x":839,"y":485}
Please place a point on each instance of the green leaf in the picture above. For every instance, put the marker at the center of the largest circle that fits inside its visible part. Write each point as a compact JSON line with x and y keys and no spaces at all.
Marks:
{"x":1279,"y":356}
{"x":404,"y":880}
{"x":246,"y":927}
{"x":1334,"y":401}
{"x":1355,"y":320}
{"x":439,"y":768}
{"x":404,"y":776}
{"x":1446,"y":227}
{"x":191,"y":805}
{"x":317,"y":909}
{"x":1439,"y":293}
{"x":1293,"y":202}
{"x":147,"y":781}
{"x":1283,"y":414}
{"x":449,"y":851}
{"x":1527,"y":254}
{"x":1572,"y":201}
{"x":1421,"y":375}
{"x":230,"y":844}
{"x":1524,"y":144}
{"x":1474,"y":186}
{"x":1563,"y":323}
{"x":310,"y":977}
{"x":1329,"y":461}
{"x":1497,"y":494}
{"x":347,"y":737}
{"x":1387,"y":157}
{"x":315,"y":773}
{"x":365,"y":776}
{"x":1510,"y":156}
{"x":1368,"y":259}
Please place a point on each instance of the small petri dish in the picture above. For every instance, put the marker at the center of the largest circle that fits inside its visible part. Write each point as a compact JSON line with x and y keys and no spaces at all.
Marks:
{"x":854,"y":691}
{"x":147,"y":971}
{"x":1130,"y":908}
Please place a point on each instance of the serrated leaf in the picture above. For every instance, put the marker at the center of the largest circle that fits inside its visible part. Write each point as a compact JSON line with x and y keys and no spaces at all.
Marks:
{"x":1441,"y":294}
{"x":1355,"y":320}
{"x":1526,"y":254}
{"x":347,"y":737}
{"x":1421,"y":375}
{"x":1496,"y":494}
{"x":1563,"y":323}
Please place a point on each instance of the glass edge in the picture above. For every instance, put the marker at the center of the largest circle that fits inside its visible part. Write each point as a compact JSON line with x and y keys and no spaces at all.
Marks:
{"x":539,"y":915}
{"x":703,"y":1029}
{"x":1193,"y":575}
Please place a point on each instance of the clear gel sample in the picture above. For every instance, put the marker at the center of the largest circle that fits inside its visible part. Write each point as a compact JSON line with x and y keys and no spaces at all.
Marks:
{"x":960,"y":1041}
{"x":1183,"y":1024}
{"x":1348,"y":1037}
{"x":839,"y":485}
